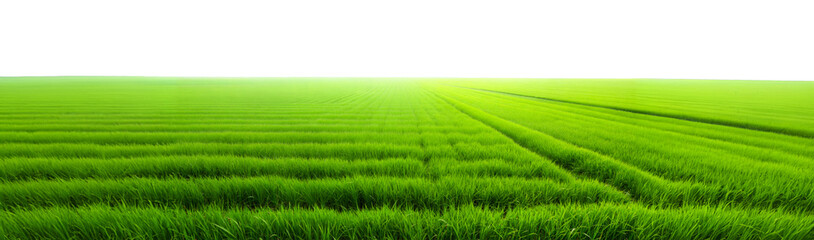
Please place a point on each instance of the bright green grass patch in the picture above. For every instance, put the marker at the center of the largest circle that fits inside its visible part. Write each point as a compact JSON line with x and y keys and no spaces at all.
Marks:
{"x":320,"y":158}
{"x":341,"y":193}
{"x":678,"y":169}
{"x":467,"y":222}
{"x":17,"y":169}
{"x":784,"y":107}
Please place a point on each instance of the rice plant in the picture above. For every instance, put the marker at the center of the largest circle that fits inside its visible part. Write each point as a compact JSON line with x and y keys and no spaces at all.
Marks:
{"x":360,"y":158}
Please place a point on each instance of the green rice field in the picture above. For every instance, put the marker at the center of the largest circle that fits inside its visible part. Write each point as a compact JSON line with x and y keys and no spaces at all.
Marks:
{"x":365,"y":158}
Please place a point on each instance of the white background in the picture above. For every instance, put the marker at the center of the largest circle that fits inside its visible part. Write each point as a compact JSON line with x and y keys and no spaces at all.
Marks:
{"x":704,"y":39}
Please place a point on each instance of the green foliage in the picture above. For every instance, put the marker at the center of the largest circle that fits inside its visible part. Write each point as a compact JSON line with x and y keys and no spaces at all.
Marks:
{"x":341,"y":193}
{"x":591,"y":221}
{"x":657,"y":166}
{"x":313,"y":158}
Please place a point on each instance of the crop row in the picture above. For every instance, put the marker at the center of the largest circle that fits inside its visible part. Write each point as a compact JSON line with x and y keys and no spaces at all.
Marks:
{"x":240,"y":128}
{"x":341,"y":193}
{"x":781,"y":107}
{"x":584,"y":124}
{"x":466,"y":222}
{"x":427,"y":138}
{"x":17,"y":169}
{"x":460,"y":151}
{"x":707,"y":181}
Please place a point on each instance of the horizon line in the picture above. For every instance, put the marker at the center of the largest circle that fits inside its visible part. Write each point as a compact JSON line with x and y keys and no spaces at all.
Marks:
{"x":386,"y":77}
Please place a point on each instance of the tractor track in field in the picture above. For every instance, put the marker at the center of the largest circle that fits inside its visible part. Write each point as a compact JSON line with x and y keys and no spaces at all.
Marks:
{"x":719,"y":122}
{"x":588,"y":163}
{"x":557,"y":162}
{"x":700,"y":136}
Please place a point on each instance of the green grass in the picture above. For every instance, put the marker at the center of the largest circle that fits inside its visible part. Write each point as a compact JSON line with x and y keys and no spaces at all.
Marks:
{"x":345,"y":158}
{"x":18,"y":169}
{"x":687,"y":168}
{"x":775,"y":106}
{"x":628,"y":221}
{"x":340,"y":193}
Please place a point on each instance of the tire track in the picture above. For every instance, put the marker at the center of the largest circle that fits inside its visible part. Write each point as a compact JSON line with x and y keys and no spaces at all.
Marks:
{"x":642,"y":185}
{"x":730,"y":147}
{"x":756,"y":127}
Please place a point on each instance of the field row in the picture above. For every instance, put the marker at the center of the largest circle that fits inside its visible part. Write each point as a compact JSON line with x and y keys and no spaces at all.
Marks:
{"x":467,"y":222}
{"x":460,"y":151}
{"x":150,"y":158}
{"x":132,"y":138}
{"x":775,"y":106}
{"x":654,"y":165}
{"x":451,"y":128}
{"x":340,"y":193}
{"x":17,"y":169}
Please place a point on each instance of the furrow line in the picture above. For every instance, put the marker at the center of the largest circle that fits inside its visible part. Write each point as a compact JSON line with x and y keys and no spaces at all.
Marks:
{"x":642,"y":185}
{"x":756,"y":127}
